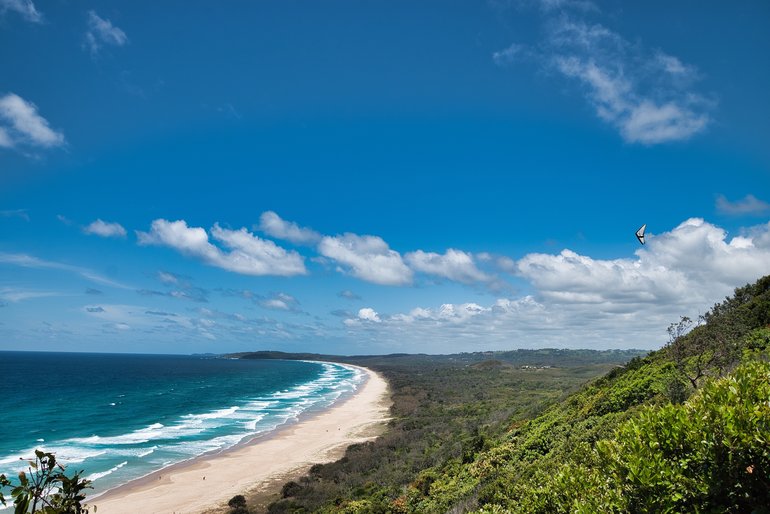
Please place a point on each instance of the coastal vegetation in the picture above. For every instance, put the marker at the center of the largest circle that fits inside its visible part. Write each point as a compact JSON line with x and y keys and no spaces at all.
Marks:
{"x":446,"y":408}
{"x":45,"y":488}
{"x":682,"y":429}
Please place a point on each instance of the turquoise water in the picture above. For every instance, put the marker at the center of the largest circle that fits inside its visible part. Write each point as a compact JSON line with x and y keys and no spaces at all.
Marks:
{"x":119,"y":417}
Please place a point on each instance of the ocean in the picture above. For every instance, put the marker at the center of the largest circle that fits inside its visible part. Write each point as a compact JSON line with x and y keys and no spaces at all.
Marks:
{"x":119,"y":417}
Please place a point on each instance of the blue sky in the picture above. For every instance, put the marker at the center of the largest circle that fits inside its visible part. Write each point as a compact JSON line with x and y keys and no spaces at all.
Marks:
{"x":375,"y":177}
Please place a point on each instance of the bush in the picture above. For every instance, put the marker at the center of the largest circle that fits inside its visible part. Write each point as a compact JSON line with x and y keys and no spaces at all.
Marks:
{"x":237,"y":505}
{"x":45,"y":488}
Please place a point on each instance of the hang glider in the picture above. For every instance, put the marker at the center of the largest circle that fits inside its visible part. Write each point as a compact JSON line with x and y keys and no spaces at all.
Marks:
{"x":640,"y":233}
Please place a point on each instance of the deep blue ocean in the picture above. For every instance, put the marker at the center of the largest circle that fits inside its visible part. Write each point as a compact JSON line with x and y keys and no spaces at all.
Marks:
{"x":120,"y":417}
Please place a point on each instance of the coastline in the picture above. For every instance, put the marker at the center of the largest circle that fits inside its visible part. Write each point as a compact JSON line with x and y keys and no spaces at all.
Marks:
{"x":207,"y":482}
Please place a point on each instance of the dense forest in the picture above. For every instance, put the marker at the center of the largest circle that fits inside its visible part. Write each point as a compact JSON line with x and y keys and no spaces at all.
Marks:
{"x":682,"y":429}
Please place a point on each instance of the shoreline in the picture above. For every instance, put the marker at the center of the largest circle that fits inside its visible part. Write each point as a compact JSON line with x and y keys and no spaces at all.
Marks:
{"x":207,"y":482}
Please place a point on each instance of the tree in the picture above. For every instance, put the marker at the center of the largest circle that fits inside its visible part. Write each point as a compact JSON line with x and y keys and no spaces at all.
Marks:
{"x":713,"y":345}
{"x":46,"y":489}
{"x":238,"y":505}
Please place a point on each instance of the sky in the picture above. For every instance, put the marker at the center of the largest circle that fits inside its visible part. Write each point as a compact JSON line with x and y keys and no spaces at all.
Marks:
{"x":377,"y":177}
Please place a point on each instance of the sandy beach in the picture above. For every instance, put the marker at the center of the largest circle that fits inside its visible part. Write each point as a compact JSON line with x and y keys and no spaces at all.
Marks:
{"x":210,"y":481}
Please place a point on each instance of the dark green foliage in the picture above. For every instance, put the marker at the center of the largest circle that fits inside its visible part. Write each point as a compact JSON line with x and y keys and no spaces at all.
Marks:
{"x":683,"y":429}
{"x":46,"y":489}
{"x":4,"y":482}
{"x":711,"y":454}
{"x":446,"y":410}
{"x":237,"y":505}
{"x":632,"y":441}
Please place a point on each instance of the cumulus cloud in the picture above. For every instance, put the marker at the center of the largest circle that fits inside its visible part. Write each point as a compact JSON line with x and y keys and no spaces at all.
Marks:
{"x":749,"y":205}
{"x":273,"y":225}
{"x":247,"y":255}
{"x":370,"y":258}
{"x":689,"y":265}
{"x":581,"y":301}
{"x":21,"y":125}
{"x":647,"y":96}
{"x":105,"y":229}
{"x":453,"y":264}
{"x":368,"y":314}
{"x":365,"y":315}
{"x":102,"y":32}
{"x":367,"y":257}
{"x":25,"y":8}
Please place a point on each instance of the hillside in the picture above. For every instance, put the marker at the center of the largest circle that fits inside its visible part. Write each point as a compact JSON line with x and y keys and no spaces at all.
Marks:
{"x":682,"y":429}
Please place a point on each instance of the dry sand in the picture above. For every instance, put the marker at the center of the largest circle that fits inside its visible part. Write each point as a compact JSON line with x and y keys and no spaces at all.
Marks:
{"x":182,"y":489}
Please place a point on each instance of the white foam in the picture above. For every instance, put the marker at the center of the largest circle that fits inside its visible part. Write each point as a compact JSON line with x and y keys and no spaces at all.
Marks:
{"x":143,"y":435}
{"x":221,"y":413}
{"x":146,"y":452}
{"x":96,"y":476}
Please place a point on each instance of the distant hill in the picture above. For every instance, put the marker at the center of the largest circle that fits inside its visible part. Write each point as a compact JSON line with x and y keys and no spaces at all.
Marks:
{"x":539,"y":357}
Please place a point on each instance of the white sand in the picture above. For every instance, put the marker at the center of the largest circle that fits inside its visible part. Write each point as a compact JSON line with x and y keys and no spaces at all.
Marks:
{"x":182,"y":489}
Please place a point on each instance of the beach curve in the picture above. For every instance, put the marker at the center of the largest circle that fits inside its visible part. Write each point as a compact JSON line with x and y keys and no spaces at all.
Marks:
{"x":209,"y":481}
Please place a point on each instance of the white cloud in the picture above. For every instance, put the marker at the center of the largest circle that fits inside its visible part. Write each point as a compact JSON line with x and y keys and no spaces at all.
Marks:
{"x":647,"y":97}
{"x":15,"y":213}
{"x":248,"y":255}
{"x":369,"y":314}
{"x":614,"y":93}
{"x":370,"y":258}
{"x":674,"y":66}
{"x":279,"y":301}
{"x":581,"y":5}
{"x":689,"y":266}
{"x":24,"y":7}
{"x":105,"y":229}
{"x":454,"y":264}
{"x":29,"y":261}
{"x":168,"y":278}
{"x":367,"y":257}
{"x":20,"y":124}
{"x":5,"y":139}
{"x":582,"y":302}
{"x":10,"y":294}
{"x":273,"y":225}
{"x":101,"y":32}
{"x":749,"y":205}
{"x":508,"y":55}
{"x":365,"y":315}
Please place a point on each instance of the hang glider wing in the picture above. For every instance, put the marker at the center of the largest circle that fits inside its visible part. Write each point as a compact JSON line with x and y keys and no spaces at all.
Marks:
{"x":640,"y":233}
